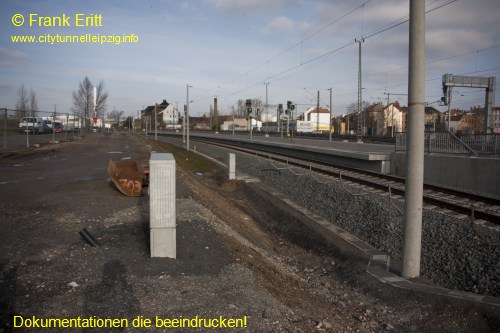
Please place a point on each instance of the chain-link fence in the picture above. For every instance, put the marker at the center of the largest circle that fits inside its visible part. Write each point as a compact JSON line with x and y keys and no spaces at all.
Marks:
{"x":24,"y":129}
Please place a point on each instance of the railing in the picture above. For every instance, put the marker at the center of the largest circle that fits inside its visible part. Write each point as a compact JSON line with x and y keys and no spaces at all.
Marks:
{"x":449,"y":143}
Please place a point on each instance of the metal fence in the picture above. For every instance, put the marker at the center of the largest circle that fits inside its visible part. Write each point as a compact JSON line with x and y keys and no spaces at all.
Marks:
{"x":15,"y":137}
{"x":449,"y":143}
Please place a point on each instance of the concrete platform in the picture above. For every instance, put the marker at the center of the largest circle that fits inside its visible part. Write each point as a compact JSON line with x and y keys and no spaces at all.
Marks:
{"x":373,"y":157}
{"x":474,"y":174}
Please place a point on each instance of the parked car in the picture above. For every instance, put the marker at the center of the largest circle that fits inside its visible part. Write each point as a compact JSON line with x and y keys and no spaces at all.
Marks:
{"x":58,"y":127}
{"x":35,"y":125}
{"x":48,"y":122}
{"x":43,"y":127}
{"x":28,"y":124}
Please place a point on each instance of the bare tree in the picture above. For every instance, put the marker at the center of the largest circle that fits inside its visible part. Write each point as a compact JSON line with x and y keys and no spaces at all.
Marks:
{"x":33,"y":105}
{"x":83,"y":101}
{"x":353,"y":107}
{"x":101,"y":99}
{"x":26,"y":103}
{"x":22,"y":107}
{"x":241,"y":110}
{"x":116,"y":116}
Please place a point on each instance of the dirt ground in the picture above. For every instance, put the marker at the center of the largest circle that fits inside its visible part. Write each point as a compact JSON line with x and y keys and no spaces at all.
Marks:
{"x":238,"y":256}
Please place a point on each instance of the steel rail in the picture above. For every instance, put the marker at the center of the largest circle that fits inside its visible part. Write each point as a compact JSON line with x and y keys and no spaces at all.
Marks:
{"x":360,"y":178}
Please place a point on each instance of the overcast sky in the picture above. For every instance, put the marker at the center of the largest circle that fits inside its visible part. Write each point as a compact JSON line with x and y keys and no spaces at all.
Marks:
{"x":231,"y":48}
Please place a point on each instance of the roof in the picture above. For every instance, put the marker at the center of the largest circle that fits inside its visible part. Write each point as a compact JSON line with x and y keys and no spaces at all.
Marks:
{"x":315,"y":110}
{"x":427,"y":110}
{"x":151,"y":108}
{"x":377,"y":107}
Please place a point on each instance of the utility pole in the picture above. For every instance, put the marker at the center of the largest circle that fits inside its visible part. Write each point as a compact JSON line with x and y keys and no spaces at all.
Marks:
{"x":280,"y":125}
{"x":211,"y":117}
{"x":317,"y":114}
{"x":187,"y":117}
{"x":5,"y":128}
{"x":449,"y":108}
{"x":67,"y":124}
{"x":184,"y":126}
{"x":54,"y":123}
{"x":331,"y":107}
{"x":412,"y":242}
{"x":359,"y":132}
{"x":216,"y":115}
{"x":267,"y":110}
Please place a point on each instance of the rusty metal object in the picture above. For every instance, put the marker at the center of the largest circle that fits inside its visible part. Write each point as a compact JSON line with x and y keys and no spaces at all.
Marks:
{"x":129,"y":176}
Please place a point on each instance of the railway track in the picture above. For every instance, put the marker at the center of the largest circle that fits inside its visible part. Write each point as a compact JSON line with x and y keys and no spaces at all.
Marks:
{"x":457,"y":203}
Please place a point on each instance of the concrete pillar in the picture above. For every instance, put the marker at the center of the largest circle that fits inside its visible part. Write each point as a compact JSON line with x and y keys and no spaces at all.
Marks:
{"x":232,"y":166}
{"x":162,"y":205}
{"x":412,"y":242}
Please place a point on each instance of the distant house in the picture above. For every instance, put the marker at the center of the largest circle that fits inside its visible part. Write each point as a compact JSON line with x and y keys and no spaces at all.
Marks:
{"x":392,"y":120}
{"x":240,"y":124}
{"x":432,"y":117}
{"x":170,"y":113}
{"x":380,"y":120}
{"x":167,"y":116}
{"x":377,"y":120}
{"x":373,"y":117}
{"x":200,"y":123}
{"x":496,"y":119}
{"x":471,"y":122}
{"x":442,"y":125}
{"x":320,"y":119}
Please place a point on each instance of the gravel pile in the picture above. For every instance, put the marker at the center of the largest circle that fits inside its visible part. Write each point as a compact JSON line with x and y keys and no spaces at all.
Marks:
{"x":453,"y":255}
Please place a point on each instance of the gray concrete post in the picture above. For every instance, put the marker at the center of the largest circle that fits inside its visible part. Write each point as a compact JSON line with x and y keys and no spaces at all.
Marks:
{"x":412,"y":243}
{"x":162,"y":205}
{"x":232,"y":166}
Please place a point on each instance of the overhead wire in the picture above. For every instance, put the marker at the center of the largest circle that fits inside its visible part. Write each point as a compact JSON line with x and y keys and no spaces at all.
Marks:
{"x":331,"y":52}
{"x":303,"y":64}
{"x":295,"y":45}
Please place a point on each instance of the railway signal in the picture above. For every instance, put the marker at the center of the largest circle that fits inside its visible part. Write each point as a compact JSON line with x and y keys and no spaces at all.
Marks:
{"x":249,"y":106}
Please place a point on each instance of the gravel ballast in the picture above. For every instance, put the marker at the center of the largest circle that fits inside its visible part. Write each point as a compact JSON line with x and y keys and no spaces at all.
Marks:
{"x":455,"y":254}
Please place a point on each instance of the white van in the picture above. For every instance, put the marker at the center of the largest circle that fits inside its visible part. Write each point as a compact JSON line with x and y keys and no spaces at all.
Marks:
{"x":35,"y":125}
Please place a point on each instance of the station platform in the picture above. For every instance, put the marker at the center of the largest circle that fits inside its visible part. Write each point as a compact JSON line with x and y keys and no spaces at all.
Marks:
{"x":372,"y":157}
{"x":476,"y":174}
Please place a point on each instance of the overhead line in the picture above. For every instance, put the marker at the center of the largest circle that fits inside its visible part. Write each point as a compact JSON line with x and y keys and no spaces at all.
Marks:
{"x":277,"y":75}
{"x":300,"y":42}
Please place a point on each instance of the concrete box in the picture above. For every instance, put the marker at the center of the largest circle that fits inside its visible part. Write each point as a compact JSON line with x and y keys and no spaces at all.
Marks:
{"x":163,"y":242}
{"x":162,"y":190}
{"x":162,"y":212}
{"x":232,"y":166}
